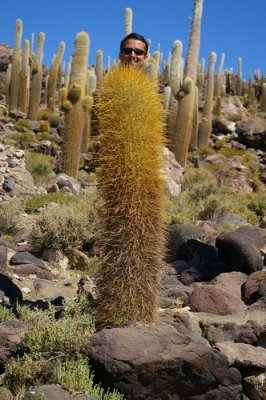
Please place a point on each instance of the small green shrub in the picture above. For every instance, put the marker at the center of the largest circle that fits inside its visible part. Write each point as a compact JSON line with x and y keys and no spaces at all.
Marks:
{"x":256,"y":202}
{"x":24,"y":122}
{"x":6,"y":314}
{"x":54,"y":120}
{"x":68,"y":226}
{"x":181,"y":210}
{"x":56,"y":351}
{"x":10,"y":219}
{"x":38,"y":163}
{"x":42,"y":200}
{"x":199,"y":183}
{"x":44,"y":114}
{"x":46,"y":136}
{"x":23,"y":138}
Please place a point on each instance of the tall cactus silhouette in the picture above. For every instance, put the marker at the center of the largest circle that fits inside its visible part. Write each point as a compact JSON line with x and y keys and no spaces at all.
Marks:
{"x":24,"y":76}
{"x":205,"y":127}
{"x":15,"y":71}
{"x":36,"y":80}
{"x":73,"y":106}
{"x":53,"y":76}
{"x":186,"y":104}
{"x":263,"y":98}
{"x":131,"y":122}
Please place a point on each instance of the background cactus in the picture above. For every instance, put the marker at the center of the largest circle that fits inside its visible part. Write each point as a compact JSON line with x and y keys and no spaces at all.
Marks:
{"x":239,"y":77}
{"x":205,"y":127}
{"x":36,"y":80}
{"x":220,"y":77}
{"x":16,"y":66}
{"x":73,"y":106}
{"x":183,"y":130}
{"x":24,"y":76}
{"x":131,"y":124}
{"x":53,"y":77}
{"x":99,"y":68}
{"x":174,"y":83}
{"x":128,"y":21}
{"x":263,"y":98}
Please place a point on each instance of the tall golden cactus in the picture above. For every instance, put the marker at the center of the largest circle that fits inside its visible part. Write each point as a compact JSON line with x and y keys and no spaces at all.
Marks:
{"x":186,"y":104}
{"x":53,"y":76}
{"x":131,"y":124}
{"x":24,"y":76}
{"x":205,"y":127}
{"x":15,"y":71}
{"x":73,"y":106}
{"x":36,"y":80}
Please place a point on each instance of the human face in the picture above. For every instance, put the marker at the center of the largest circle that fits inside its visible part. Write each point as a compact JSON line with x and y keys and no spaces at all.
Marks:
{"x":132,"y":59}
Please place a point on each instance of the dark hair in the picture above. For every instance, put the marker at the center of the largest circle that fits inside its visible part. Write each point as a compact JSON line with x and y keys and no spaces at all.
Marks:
{"x":137,"y":37}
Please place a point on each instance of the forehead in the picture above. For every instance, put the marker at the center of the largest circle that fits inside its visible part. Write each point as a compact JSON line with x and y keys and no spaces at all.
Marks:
{"x":136,"y":44}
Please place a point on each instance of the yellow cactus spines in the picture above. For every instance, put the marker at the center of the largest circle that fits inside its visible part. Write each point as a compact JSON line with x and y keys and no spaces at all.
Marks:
{"x":131,"y":119}
{"x":15,"y":71}
{"x":53,"y":76}
{"x":36,"y":80}
{"x":23,"y":92}
{"x":74,"y":112}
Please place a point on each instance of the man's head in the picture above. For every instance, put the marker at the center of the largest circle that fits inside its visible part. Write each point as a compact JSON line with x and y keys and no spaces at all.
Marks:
{"x":133,"y":50}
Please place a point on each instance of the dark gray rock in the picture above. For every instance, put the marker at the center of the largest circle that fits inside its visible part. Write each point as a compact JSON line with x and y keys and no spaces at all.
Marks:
{"x":24,"y":257}
{"x":195,"y":252}
{"x":239,"y":250}
{"x":10,"y":289}
{"x":255,"y":287}
{"x":154,"y":362}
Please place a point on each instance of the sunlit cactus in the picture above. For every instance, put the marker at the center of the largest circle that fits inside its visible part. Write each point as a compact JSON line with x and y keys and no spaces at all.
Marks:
{"x":183,"y":129}
{"x":239,"y":77}
{"x":128,"y":21}
{"x":99,"y":68}
{"x":36,"y":79}
{"x":24,"y":76}
{"x":131,"y":124}
{"x":53,"y":77}
{"x":174,"y":83}
{"x":73,"y":105}
{"x":205,"y":127}
{"x":15,"y":71}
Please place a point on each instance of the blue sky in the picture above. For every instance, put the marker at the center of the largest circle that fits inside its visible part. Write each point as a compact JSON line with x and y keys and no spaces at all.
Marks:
{"x":234,"y":27}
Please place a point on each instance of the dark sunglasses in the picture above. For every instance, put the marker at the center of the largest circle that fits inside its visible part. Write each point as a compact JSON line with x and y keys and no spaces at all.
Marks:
{"x":129,"y":50}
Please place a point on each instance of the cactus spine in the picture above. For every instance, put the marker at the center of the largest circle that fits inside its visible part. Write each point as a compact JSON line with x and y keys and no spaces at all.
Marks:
{"x":128,"y":21}
{"x":205,"y":127}
{"x":131,"y":122}
{"x":36,"y":80}
{"x":73,"y":106}
{"x":186,"y":104}
{"x":23,"y":93}
{"x":15,"y":71}
{"x":53,"y":76}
